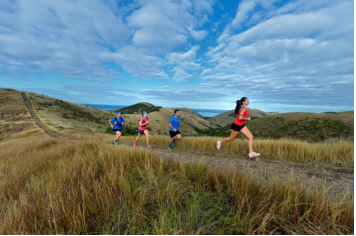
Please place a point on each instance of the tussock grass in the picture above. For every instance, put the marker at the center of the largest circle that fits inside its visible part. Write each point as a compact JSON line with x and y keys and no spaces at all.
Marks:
{"x":52,"y":186}
{"x":334,"y":152}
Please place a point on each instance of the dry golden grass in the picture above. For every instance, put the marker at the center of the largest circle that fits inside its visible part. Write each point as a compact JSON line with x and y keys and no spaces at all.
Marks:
{"x":334,"y":152}
{"x":50,"y":186}
{"x":14,"y":117}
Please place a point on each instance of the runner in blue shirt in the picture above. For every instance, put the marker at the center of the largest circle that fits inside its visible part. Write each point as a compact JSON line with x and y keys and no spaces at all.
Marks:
{"x":116,"y":124}
{"x":174,"y":129}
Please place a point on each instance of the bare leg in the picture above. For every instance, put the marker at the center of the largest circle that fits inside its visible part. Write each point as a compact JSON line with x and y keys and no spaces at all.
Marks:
{"x":248,"y":135}
{"x":138,"y":137}
{"x":146,"y":133}
{"x":177,"y":137}
{"x":171,"y":141}
{"x":233,"y":135}
{"x":118,"y":135}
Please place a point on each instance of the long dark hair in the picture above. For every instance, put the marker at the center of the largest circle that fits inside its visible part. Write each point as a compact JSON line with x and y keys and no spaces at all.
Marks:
{"x":239,"y":104}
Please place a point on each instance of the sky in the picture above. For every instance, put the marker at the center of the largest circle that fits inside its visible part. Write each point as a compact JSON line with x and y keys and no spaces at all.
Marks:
{"x":285,"y":56}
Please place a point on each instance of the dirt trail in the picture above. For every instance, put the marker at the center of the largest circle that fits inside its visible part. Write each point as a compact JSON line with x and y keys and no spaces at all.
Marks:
{"x":338,"y":179}
{"x":38,"y":122}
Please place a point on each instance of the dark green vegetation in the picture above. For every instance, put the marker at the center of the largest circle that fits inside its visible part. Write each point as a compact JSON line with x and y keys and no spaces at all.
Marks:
{"x":138,"y":108}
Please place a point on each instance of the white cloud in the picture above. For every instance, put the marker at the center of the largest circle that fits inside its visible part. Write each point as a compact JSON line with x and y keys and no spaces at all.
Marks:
{"x":137,"y":63}
{"x":241,"y":15}
{"x":206,"y":72}
{"x":185,"y":60}
{"x":166,"y":25}
{"x":180,"y":75}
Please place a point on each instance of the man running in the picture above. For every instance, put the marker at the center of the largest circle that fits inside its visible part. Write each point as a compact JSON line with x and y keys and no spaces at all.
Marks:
{"x":116,"y":124}
{"x":174,"y":129}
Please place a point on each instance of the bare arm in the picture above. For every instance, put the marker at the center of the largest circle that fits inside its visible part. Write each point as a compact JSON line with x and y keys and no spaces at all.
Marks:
{"x":142,"y":124}
{"x":111,"y":123}
{"x":170,"y":125}
{"x":241,"y":116}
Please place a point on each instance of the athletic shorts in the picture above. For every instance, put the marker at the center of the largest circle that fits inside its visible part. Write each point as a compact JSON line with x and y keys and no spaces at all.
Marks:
{"x":237,"y":127}
{"x":115,"y":130}
{"x":172,"y":133}
{"x":141,"y":131}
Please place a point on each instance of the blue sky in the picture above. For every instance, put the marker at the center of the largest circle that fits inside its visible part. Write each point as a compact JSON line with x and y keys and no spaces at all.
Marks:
{"x":283,"y":55}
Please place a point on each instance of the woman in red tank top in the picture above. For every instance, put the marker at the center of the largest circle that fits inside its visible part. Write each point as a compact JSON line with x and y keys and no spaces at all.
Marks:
{"x":239,"y":126}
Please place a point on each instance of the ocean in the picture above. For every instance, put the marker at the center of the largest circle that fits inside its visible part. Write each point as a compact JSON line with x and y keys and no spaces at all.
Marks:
{"x":202,"y":112}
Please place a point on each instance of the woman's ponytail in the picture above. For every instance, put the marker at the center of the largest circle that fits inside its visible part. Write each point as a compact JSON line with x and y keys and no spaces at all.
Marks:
{"x":239,"y":104}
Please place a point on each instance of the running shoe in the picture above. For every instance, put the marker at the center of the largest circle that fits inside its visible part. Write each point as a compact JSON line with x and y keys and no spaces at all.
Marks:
{"x":174,"y":143}
{"x":135,"y":144}
{"x":170,"y":148}
{"x":218,"y":145}
{"x":113,"y":144}
{"x":253,"y":154}
{"x":117,"y":142}
{"x":148,"y":146}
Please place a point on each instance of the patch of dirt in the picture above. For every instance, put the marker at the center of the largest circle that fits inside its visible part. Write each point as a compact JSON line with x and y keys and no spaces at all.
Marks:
{"x":38,"y":122}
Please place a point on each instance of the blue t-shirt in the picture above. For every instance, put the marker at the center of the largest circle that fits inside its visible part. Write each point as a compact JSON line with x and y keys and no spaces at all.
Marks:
{"x":118,"y":122}
{"x":175,"y":123}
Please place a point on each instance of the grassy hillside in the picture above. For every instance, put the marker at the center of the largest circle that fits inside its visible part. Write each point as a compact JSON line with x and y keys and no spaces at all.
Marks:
{"x":228,"y":117}
{"x":52,"y":186}
{"x":191,"y":122}
{"x":304,"y":126}
{"x":14,"y":117}
{"x":60,"y":115}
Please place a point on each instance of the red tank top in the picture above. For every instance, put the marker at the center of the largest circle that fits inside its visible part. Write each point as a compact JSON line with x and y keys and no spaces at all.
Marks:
{"x":238,"y":121}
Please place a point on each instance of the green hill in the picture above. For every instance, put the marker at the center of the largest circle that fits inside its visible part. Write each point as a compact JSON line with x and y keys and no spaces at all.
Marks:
{"x":58,"y":115}
{"x":228,"y":117}
{"x":138,"y":108}
{"x":300,"y":125}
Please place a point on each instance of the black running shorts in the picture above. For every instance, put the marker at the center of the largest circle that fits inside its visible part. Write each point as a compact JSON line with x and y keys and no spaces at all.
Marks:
{"x":237,"y":127}
{"x":172,"y":133}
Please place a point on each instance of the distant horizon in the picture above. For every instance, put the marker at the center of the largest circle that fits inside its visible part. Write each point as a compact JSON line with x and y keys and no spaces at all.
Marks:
{"x":199,"y":109}
{"x":210,"y":109}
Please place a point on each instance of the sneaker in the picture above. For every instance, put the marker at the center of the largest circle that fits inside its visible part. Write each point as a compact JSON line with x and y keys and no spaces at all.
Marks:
{"x":117,"y":142}
{"x":218,"y":145}
{"x":253,"y":154}
{"x":148,"y":146}
{"x":135,"y":144}
{"x":113,"y":144}
{"x":170,"y":148}
{"x":174,"y":143}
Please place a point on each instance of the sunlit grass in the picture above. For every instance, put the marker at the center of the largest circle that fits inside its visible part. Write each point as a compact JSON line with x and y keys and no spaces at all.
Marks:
{"x":334,"y":152}
{"x":52,"y":186}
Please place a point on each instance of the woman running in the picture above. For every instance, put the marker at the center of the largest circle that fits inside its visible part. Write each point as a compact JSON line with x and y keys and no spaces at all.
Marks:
{"x":142,"y":129}
{"x":116,"y":124}
{"x":239,"y":126}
